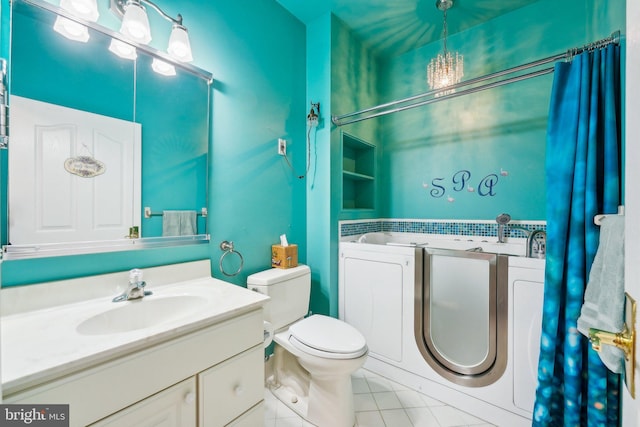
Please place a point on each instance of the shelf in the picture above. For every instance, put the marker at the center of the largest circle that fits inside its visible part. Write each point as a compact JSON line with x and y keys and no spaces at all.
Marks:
{"x":356,"y":176}
{"x":358,"y":173}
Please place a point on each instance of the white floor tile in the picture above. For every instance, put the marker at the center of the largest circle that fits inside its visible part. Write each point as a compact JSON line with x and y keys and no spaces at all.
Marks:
{"x":410,"y":399}
{"x":360,"y":373}
{"x":270,"y":405}
{"x":369,"y":419}
{"x":379,"y":384}
{"x":283,"y":411}
{"x":360,"y":385}
{"x":430,"y":401}
{"x":397,"y":387}
{"x":387,"y":400}
{"x":396,"y":418}
{"x":379,"y":402}
{"x":448,"y":416}
{"x":422,"y":417}
{"x":364,"y":402}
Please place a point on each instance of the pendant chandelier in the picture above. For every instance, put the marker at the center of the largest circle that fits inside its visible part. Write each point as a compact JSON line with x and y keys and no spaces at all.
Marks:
{"x":447,"y":68}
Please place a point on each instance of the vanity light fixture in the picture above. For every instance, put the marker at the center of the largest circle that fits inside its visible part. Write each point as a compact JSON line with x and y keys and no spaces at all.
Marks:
{"x":85,"y":9}
{"x":135,"y":26}
{"x":445,"y":69}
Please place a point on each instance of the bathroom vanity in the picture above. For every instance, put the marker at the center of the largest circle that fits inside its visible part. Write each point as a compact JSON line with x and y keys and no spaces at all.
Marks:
{"x":190,"y":354}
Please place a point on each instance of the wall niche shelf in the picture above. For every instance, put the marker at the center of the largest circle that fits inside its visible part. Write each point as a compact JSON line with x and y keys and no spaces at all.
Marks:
{"x":358,"y":173}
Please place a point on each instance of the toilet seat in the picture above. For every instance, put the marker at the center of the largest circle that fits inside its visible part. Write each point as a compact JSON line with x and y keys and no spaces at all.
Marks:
{"x":327,"y":337}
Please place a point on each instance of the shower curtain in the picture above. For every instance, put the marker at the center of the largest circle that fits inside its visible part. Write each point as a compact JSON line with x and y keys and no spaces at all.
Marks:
{"x":582,"y":180}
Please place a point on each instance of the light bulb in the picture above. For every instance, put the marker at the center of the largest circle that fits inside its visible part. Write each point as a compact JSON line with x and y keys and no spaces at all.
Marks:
{"x":85,"y":9}
{"x":179,"y":45}
{"x":135,"y":23}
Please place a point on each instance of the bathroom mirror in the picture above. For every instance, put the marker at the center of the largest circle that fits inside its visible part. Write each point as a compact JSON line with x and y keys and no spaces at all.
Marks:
{"x":65,"y":179}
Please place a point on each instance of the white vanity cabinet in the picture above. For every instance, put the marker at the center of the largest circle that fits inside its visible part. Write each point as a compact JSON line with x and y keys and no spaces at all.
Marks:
{"x":230,"y":388}
{"x":209,"y":377}
{"x":173,"y":407}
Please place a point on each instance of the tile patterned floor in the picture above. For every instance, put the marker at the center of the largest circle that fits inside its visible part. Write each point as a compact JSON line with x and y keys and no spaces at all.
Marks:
{"x":380,"y":402}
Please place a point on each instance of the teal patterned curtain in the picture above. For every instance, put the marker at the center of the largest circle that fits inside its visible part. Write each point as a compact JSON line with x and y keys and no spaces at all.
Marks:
{"x":582,"y":180}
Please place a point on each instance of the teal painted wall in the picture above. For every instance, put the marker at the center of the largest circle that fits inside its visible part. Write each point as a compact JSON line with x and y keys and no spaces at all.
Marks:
{"x":257,"y":54}
{"x":321,"y":221}
{"x":341,"y":74}
{"x":499,"y":133}
{"x":258,"y":63}
{"x":354,"y":86}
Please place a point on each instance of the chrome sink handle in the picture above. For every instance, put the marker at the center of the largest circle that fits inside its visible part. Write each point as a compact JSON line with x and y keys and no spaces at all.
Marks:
{"x":135,"y":289}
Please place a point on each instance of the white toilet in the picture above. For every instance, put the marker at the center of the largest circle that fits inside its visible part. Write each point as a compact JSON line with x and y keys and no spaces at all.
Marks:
{"x":314,"y":357}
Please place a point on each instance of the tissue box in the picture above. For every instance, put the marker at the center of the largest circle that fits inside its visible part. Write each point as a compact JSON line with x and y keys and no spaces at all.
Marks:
{"x":284,"y":256}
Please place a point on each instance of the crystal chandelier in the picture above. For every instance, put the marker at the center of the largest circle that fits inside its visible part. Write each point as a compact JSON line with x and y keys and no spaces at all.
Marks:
{"x":445,"y":69}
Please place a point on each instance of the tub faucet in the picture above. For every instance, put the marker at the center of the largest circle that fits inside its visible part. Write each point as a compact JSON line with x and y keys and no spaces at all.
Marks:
{"x":540,"y":245}
{"x":135,"y":289}
{"x":532,"y":241}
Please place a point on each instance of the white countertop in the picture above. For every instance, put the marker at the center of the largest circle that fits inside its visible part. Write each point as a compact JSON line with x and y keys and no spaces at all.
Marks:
{"x":44,"y":344}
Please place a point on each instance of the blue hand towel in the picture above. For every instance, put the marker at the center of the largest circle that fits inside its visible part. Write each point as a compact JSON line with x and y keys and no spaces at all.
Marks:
{"x":179,"y":223}
{"x":604,"y":298}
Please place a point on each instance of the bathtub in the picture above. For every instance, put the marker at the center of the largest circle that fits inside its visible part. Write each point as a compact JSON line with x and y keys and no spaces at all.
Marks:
{"x":381,"y":278}
{"x":514,"y":246}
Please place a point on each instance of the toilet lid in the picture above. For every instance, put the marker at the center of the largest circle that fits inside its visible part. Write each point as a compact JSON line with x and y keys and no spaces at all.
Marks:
{"x":327,"y":334}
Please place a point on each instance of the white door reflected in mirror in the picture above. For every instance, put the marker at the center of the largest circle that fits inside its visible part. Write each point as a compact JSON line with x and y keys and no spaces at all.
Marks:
{"x":67,"y":159}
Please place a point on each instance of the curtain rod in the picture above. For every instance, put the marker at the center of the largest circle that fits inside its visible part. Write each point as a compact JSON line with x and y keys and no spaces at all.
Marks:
{"x":398,"y":105}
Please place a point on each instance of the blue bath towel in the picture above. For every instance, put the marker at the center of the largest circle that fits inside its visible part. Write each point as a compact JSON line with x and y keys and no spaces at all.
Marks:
{"x":179,"y":223}
{"x":604,"y":298}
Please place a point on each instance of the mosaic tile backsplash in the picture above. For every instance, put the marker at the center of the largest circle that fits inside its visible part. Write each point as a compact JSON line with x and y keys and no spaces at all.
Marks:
{"x":467,"y":228}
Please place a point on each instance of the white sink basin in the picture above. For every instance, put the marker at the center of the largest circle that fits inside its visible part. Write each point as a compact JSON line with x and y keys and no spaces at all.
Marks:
{"x":143,"y":313}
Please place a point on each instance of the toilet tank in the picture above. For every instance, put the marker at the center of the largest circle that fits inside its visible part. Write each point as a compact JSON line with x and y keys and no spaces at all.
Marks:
{"x":289,"y":290}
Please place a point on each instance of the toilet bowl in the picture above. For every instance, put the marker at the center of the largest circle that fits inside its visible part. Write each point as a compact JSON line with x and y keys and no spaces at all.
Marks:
{"x":315,"y":356}
{"x":330,"y":351}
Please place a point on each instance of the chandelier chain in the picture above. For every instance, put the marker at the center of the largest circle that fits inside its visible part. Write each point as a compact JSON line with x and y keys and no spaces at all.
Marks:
{"x":444,"y":29}
{"x":445,"y":69}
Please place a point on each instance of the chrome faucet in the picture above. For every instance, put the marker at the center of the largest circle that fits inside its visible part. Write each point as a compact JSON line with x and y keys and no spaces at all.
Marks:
{"x":535,"y":248}
{"x":540,"y":246}
{"x":135,"y":289}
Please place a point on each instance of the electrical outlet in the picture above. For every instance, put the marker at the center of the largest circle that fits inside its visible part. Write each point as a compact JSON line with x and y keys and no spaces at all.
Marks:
{"x":282,"y":147}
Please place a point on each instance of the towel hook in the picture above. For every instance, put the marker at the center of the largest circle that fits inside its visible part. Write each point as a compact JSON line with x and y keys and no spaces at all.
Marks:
{"x":228,"y":248}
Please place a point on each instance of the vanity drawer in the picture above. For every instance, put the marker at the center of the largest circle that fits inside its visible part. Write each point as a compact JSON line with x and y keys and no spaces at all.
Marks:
{"x":230,"y":388}
{"x":174,"y":406}
{"x":252,"y":418}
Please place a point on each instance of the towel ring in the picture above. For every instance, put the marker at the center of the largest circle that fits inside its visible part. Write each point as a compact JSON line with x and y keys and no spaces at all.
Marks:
{"x":227,"y":247}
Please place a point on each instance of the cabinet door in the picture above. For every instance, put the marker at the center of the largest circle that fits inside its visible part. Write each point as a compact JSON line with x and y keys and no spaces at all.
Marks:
{"x":230,"y":388}
{"x":173,"y":407}
{"x":252,"y":418}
